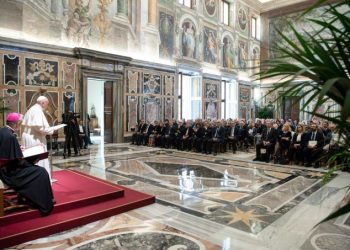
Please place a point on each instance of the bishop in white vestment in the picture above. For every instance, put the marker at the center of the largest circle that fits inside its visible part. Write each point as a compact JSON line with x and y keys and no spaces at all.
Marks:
{"x":36,"y":128}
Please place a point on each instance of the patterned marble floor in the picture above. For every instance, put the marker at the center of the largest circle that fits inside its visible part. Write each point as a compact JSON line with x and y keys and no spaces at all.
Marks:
{"x":206,"y":202}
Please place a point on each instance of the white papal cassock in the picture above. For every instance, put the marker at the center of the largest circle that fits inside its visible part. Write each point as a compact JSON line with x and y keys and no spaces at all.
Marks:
{"x":35,"y":130}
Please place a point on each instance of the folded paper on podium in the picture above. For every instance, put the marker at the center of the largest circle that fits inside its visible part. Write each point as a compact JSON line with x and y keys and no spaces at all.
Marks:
{"x":35,"y":153}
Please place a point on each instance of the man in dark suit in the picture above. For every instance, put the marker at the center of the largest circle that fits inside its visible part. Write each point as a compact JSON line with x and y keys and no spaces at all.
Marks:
{"x":313,"y":147}
{"x":217,"y":135}
{"x":139,"y":130}
{"x":168,"y":138}
{"x":186,"y":137}
{"x":146,"y":133}
{"x":268,"y":142}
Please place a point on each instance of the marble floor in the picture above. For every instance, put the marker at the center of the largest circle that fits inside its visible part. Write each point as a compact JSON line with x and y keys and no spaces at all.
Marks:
{"x":207,"y":202}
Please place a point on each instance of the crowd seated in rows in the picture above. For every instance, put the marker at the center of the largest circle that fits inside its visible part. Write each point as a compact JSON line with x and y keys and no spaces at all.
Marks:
{"x":284,"y":142}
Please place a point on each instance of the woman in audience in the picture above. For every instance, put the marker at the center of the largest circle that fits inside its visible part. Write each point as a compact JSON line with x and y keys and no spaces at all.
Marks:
{"x":284,"y":139}
{"x":297,"y":145}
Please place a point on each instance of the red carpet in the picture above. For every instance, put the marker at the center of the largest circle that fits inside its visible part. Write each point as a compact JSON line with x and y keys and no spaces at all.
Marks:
{"x":80,"y":198}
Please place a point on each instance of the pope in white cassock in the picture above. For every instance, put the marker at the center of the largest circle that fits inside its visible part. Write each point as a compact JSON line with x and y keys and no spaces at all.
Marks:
{"x":36,"y":128}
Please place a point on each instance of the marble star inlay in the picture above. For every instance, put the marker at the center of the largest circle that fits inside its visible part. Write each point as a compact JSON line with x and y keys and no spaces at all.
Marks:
{"x":244,"y":216}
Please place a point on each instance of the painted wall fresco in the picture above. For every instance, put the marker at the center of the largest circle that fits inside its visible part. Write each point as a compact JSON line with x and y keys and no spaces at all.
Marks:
{"x":210,"y":8}
{"x":228,"y":53}
{"x":243,"y":55}
{"x":166,"y":33}
{"x":188,"y":39}
{"x":210,"y":45}
{"x":243,"y":19}
{"x":118,"y":27}
{"x":255,"y":59}
{"x":300,"y":22}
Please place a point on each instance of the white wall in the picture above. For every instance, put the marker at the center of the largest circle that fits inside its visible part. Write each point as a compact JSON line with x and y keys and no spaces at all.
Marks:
{"x":96,"y":97}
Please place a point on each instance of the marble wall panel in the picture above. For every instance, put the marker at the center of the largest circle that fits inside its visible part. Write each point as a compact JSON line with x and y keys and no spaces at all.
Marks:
{"x":169,"y":85}
{"x":152,"y":109}
{"x":166,"y":33}
{"x":132,"y":82}
{"x":12,"y":100}
{"x":11,"y":69}
{"x":132,"y":111}
{"x":40,"y":72}
{"x":168,"y":108}
{"x":149,"y":95}
{"x":69,"y":74}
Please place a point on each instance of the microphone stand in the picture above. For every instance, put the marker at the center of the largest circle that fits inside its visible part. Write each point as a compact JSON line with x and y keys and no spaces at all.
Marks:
{"x":50,"y":160}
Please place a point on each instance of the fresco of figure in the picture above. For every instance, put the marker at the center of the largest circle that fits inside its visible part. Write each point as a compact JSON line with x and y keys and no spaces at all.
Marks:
{"x":188,"y":40}
{"x":228,"y":53}
{"x":256,"y":60}
{"x":242,"y":56}
{"x":242,"y":19}
{"x":79,"y":25}
{"x":211,"y":48}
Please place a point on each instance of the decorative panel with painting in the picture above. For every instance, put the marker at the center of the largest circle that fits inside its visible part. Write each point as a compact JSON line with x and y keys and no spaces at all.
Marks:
{"x":228,"y":53}
{"x":68,"y":101}
{"x":243,"y":55}
{"x":188,"y":39}
{"x":243,"y":20}
{"x":40,"y":72}
{"x":210,"y":45}
{"x":166,"y":33}
{"x":151,"y":84}
{"x":210,"y":8}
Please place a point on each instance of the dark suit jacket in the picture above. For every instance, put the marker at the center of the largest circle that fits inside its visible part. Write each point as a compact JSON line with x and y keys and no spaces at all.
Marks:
{"x":319,"y":138}
{"x":270,"y":137}
{"x":219,"y":134}
{"x":302,"y":142}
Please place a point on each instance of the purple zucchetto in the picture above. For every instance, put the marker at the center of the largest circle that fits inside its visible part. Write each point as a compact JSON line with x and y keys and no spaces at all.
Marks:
{"x":13,"y":117}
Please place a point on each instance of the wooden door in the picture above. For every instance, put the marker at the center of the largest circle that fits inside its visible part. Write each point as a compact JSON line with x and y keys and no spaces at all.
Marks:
{"x":108,"y":111}
{"x":291,"y":108}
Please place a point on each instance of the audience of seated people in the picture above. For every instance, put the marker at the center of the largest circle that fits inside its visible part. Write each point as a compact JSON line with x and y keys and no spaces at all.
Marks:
{"x":283,"y":141}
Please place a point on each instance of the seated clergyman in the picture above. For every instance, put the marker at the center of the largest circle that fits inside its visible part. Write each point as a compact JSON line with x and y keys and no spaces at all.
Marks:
{"x":29,"y":180}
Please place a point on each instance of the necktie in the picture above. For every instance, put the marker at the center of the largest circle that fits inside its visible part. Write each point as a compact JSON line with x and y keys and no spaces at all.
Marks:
{"x":313,"y":136}
{"x":216,"y":133}
{"x":232,"y":131}
{"x":187,"y":131}
{"x":147,"y":128}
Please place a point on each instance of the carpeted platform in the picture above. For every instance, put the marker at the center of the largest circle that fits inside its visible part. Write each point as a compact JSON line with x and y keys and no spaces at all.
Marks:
{"x":80,"y":198}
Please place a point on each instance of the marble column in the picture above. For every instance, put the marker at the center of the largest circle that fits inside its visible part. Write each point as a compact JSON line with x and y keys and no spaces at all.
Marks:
{"x":122,"y":7}
{"x":152,"y":12}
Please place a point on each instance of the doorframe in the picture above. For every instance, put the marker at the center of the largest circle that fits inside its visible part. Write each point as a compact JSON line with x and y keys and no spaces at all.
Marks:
{"x":118,"y":87}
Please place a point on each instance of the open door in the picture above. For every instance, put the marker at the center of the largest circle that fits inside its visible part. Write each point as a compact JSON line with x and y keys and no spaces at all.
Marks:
{"x":108,"y":111}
